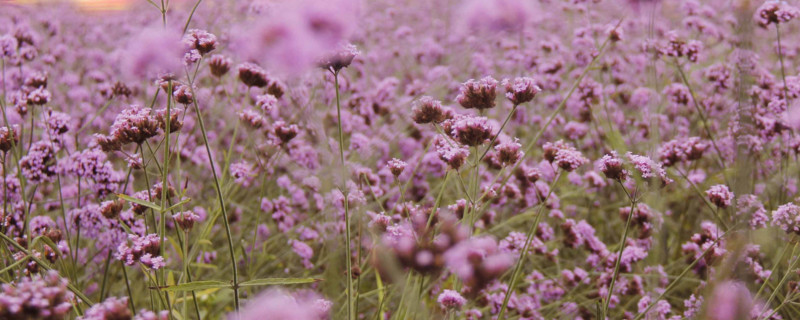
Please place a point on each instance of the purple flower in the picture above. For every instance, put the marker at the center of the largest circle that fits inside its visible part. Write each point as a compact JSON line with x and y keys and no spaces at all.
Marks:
{"x":775,"y":11}
{"x":478,"y":94}
{"x":111,"y":308}
{"x":452,"y":153}
{"x":787,"y":217}
{"x":38,"y":297}
{"x":185,"y":219}
{"x":277,"y":304}
{"x":340,"y":58}
{"x":219,"y":65}
{"x":477,"y":261}
{"x":39,"y":164}
{"x":396,"y":166}
{"x":427,"y":110}
{"x":508,"y":153}
{"x":200,"y":40}
{"x":564,"y":155}
{"x":648,"y":168}
{"x":730,"y":300}
{"x":521,"y":90}
{"x":611,"y":166}
{"x":720,"y":195}
{"x":471,"y":130}
{"x":141,"y":249}
{"x":451,"y":299}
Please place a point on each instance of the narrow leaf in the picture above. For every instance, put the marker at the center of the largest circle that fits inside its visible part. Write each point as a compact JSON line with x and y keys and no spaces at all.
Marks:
{"x":197,"y":285}
{"x":139,"y":201}
{"x":277,"y":281}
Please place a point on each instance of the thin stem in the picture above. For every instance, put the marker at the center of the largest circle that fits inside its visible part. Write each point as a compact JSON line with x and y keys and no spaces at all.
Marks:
{"x":164,"y":179}
{"x":221,"y":204}
{"x":680,"y":277}
{"x":703,"y":119}
{"x":526,"y":247}
{"x":785,"y":277}
{"x":346,"y":205}
{"x":621,"y":246}
{"x":510,"y":114}
{"x":775,"y":267}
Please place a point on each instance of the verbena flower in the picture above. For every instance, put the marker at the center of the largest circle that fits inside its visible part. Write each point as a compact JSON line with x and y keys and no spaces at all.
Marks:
{"x":38,"y":297}
{"x":478,"y":94}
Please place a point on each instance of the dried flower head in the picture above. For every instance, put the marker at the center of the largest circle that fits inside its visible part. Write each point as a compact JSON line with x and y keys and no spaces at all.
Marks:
{"x":428,"y":110}
{"x":339,"y":59}
{"x":520,"y":90}
{"x":478,"y":94}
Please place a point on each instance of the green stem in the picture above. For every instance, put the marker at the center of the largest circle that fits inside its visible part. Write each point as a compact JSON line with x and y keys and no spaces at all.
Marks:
{"x":785,"y":277}
{"x":525,"y":248}
{"x":621,"y":246}
{"x":680,"y":277}
{"x":222,"y":206}
{"x":510,"y":114}
{"x":346,"y":205}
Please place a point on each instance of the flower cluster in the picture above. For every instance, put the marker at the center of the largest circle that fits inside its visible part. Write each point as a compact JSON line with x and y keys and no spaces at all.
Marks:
{"x":142,"y":249}
{"x":40,"y":297}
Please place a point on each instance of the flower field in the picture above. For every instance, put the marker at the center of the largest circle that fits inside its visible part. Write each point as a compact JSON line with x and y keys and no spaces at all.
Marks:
{"x":400,"y":159}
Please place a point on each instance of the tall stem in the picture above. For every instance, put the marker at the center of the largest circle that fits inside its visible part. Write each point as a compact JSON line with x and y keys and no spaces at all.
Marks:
{"x":162,"y":230}
{"x":222,"y":207}
{"x":526,"y":247}
{"x":346,"y":205}
{"x":621,"y":247}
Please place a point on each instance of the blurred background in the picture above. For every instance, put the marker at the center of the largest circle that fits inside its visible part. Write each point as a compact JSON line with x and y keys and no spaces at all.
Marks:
{"x":88,"y":5}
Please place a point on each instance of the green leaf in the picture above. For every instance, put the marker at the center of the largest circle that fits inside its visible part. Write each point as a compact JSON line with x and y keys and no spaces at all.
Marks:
{"x":14,"y":265}
{"x":277,"y":281}
{"x":139,"y":202}
{"x":197,"y":285}
{"x":184,"y":201}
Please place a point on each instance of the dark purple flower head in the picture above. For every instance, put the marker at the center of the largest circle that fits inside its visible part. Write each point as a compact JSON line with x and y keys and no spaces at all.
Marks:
{"x":185,"y":219}
{"x":252,"y":75}
{"x":611,"y":165}
{"x":478,"y":94}
{"x":471,"y":130}
{"x":774,"y":12}
{"x":396,"y":166}
{"x":428,"y":110}
{"x":219,"y":65}
{"x":38,"y":96}
{"x":200,"y":40}
{"x":452,"y":153}
{"x":564,"y":155}
{"x":521,"y":90}
{"x":8,"y":138}
{"x":720,"y":195}
{"x":284,"y":131}
{"x":508,"y":152}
